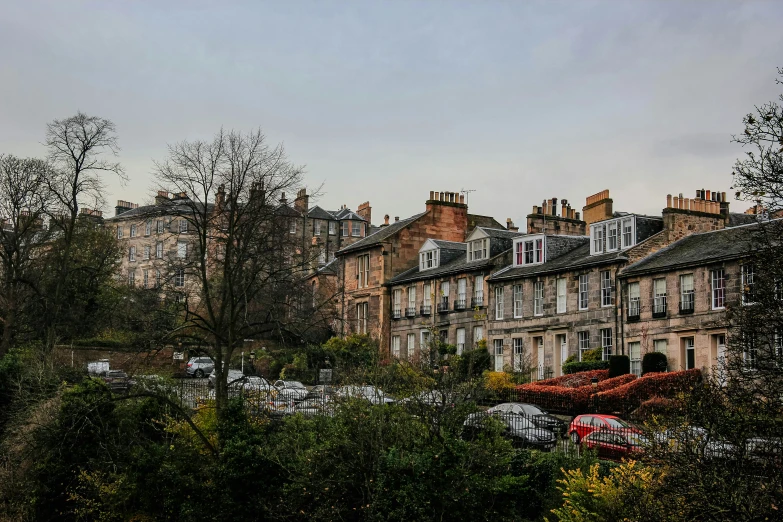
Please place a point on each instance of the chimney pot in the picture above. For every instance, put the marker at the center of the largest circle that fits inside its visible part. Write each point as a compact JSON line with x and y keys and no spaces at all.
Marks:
{"x":668,"y":201}
{"x":707,"y":195}
{"x":432,"y":195}
{"x":386,"y":219}
{"x":396,"y":218}
{"x":462,"y":199}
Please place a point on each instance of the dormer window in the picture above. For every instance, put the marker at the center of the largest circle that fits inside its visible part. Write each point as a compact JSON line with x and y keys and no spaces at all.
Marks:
{"x":612,"y":239}
{"x":613,"y":235}
{"x":478,"y":249}
{"x":627,"y":233}
{"x":529,"y":251}
{"x":598,"y":239}
{"x":429,"y":259}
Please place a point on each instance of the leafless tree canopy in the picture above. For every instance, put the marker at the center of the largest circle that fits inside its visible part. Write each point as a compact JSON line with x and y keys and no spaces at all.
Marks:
{"x":244,"y":267}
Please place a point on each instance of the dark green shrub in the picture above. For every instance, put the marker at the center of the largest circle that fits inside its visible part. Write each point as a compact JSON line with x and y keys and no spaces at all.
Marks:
{"x":472,"y":363}
{"x":619,"y":365}
{"x":654,"y":362}
{"x":584,"y":366}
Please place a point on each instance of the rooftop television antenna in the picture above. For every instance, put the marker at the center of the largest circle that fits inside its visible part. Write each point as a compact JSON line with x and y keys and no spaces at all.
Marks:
{"x":467,"y":194}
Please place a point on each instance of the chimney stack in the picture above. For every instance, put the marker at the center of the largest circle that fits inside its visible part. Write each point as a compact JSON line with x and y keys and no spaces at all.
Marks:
{"x":302,"y":201}
{"x":124,"y":206}
{"x":510,"y":225}
{"x":161,"y":197}
{"x":598,"y":207}
{"x":365,"y":211}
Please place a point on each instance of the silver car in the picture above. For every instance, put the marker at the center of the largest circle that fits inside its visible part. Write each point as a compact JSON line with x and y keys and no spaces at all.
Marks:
{"x":200,"y":366}
{"x":291,"y":390}
{"x":233,"y":376}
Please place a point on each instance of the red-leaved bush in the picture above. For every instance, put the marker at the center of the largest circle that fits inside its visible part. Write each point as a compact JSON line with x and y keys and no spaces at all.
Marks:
{"x":628,"y":397}
{"x":568,"y":400}
{"x":574,"y":380}
{"x":655,"y":406}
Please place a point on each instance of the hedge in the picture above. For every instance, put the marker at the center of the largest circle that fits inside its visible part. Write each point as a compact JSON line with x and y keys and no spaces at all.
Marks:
{"x":585,"y":366}
{"x":625,"y":399}
{"x":619,"y":365}
{"x":568,"y":400}
{"x":574,"y":380}
{"x":654,"y":362}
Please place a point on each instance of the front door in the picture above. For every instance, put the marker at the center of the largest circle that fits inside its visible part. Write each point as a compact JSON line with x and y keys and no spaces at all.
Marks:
{"x":563,"y":352}
{"x":540,"y":358}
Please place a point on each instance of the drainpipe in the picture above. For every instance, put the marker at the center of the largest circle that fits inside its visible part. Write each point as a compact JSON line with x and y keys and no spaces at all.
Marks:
{"x":617,"y":319}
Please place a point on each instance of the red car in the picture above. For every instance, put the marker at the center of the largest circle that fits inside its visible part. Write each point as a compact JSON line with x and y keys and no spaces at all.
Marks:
{"x":615,"y":445}
{"x":583,"y":425}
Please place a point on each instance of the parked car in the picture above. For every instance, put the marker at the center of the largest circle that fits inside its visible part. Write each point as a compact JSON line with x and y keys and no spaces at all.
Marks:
{"x":233,"y":376}
{"x":310,"y":407}
{"x":520,"y":430}
{"x":614,"y":445}
{"x":583,"y":425}
{"x":291,"y":390}
{"x":539,"y":417}
{"x":118,"y":381}
{"x":199,"y":366}
{"x":698,"y":441}
{"x":321,"y":390}
{"x":765,"y":450}
{"x":369,"y":393}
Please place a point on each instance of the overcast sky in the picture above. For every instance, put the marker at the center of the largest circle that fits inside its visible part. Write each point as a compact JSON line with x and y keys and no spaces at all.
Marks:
{"x":385,"y":101}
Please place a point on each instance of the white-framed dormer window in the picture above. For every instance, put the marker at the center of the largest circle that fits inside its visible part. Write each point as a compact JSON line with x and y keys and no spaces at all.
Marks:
{"x":356,"y":229}
{"x":597,"y":235}
{"x":627,"y":226}
{"x":429,"y":259}
{"x":478,"y":249}
{"x":529,"y":251}
{"x":332,"y":228}
{"x":344,"y":228}
{"x":612,"y":238}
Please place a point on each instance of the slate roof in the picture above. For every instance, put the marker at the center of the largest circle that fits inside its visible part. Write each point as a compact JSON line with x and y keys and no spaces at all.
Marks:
{"x":475,"y":220}
{"x":574,"y":259}
{"x":317,"y":212}
{"x":501,"y":233}
{"x":173,"y":207}
{"x":697,"y":249}
{"x":450,"y":245}
{"x":737,"y":219}
{"x":345,"y":213}
{"x":457,"y":263}
{"x":381,"y":235}
{"x":329,"y":268}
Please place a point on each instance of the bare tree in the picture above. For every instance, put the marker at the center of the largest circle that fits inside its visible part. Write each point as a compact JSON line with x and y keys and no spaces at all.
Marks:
{"x":82,"y":149}
{"x":246,"y":274}
{"x":23,"y":202}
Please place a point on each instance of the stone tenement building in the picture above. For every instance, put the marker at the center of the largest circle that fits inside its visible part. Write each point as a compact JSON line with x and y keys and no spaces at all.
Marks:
{"x":566,"y":286}
{"x":155,"y":236}
{"x":446,"y":292}
{"x":366,"y":266}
